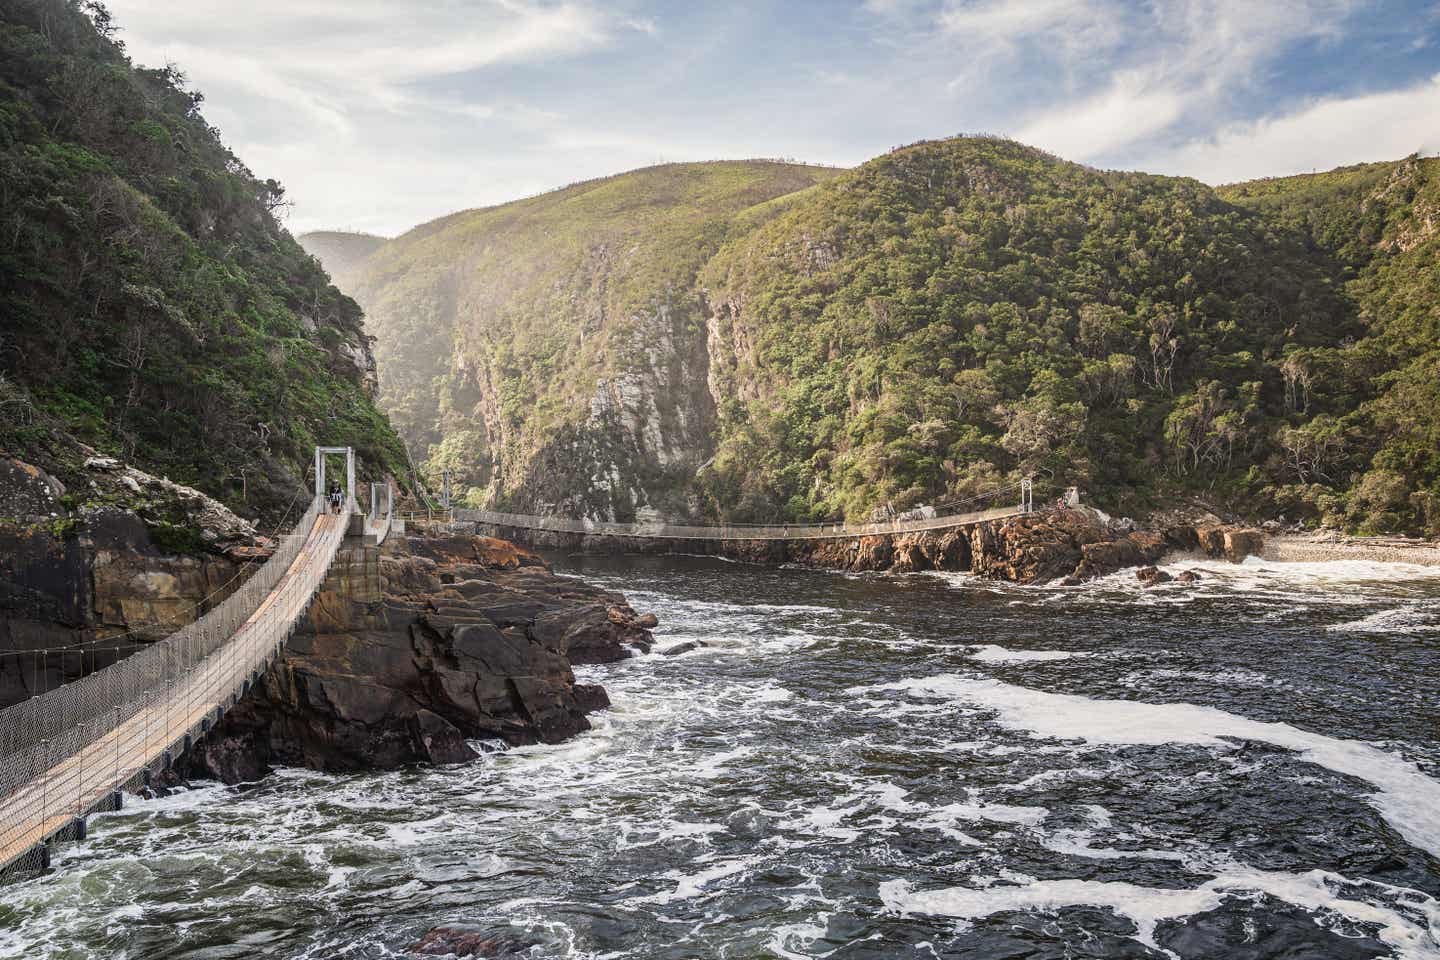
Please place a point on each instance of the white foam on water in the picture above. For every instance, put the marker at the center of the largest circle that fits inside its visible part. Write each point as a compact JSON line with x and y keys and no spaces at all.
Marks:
{"x":712,"y":767}
{"x":692,"y":885}
{"x":990,"y":653}
{"x":1224,"y":678}
{"x":1407,"y":798}
{"x":1080,"y":843}
{"x":1411,"y":619}
{"x":800,"y":935}
{"x":1147,"y":907}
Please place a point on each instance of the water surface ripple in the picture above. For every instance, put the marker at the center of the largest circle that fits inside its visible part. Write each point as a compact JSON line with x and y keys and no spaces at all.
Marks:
{"x":861,"y":767}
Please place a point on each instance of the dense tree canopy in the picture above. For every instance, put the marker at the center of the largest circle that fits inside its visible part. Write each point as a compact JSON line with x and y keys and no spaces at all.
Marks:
{"x":966,"y":311}
{"x":152,"y":305}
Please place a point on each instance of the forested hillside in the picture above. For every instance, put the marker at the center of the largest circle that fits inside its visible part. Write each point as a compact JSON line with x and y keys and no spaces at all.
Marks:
{"x":153,"y":306}
{"x":342,"y":253}
{"x":964,"y":311}
{"x":552,"y":350}
{"x":946,"y":318}
{"x":1362,"y":445}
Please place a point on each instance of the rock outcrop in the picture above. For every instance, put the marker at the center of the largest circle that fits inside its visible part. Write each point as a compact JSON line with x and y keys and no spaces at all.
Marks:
{"x":112,"y":559}
{"x":412,"y":651}
{"x":1069,"y":545}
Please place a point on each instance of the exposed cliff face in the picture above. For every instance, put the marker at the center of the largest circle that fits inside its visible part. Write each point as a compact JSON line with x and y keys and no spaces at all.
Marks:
{"x":109,"y":560}
{"x":411,"y":651}
{"x":927,"y":326}
{"x":552,"y":353}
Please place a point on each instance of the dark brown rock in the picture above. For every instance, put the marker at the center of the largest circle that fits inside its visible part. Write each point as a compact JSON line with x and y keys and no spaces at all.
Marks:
{"x":1182,"y":538}
{"x":1211,"y":540}
{"x":1187,"y":576}
{"x":452,"y":942}
{"x":1239,"y":544}
{"x":394,"y":666}
{"x":1152,"y":546}
{"x":1150,"y":576}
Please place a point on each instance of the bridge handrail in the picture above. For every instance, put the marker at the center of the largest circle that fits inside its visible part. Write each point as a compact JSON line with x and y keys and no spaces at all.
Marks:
{"x":123,"y":685}
{"x":75,"y":745}
{"x":669,"y":531}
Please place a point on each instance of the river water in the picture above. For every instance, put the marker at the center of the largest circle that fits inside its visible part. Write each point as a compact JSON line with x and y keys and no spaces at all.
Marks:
{"x":861,"y":767}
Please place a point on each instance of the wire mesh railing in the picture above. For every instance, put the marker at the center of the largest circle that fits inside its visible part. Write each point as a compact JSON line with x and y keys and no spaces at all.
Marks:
{"x":65,"y":752}
{"x":664,"y":530}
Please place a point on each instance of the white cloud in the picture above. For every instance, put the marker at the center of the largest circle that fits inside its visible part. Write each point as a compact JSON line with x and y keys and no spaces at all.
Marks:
{"x":380,"y":115}
{"x":1128,"y":111}
{"x":1323,"y":134}
{"x":1005,"y":21}
{"x":1122,"y":73}
{"x":348,"y":103}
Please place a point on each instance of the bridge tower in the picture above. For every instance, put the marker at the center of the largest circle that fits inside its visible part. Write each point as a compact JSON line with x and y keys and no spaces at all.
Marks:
{"x":321,"y":455}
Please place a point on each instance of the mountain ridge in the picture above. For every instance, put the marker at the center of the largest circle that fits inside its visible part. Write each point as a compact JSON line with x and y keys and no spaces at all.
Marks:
{"x":156,"y":309}
{"x":1146,"y":337}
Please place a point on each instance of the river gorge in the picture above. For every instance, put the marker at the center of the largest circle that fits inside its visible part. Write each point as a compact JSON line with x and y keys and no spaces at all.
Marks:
{"x":858,"y":766}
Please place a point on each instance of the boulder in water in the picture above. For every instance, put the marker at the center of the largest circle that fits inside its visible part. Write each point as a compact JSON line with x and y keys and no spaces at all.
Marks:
{"x":1150,"y":576}
{"x":452,"y":942}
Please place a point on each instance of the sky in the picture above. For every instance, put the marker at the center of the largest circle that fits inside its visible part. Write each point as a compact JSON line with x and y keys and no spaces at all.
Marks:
{"x":380,"y":115}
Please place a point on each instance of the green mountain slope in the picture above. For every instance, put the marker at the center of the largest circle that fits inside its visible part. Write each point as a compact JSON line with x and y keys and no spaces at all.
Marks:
{"x":153,"y":306}
{"x":552,"y":351}
{"x":971,"y":310}
{"x":949,"y":317}
{"x":340,"y":252}
{"x":1366,"y":450}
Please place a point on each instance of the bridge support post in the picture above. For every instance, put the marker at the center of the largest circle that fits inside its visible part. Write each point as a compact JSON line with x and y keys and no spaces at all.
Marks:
{"x":320,"y":454}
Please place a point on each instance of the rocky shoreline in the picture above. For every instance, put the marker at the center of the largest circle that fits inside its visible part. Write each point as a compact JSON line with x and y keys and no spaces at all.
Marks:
{"x":1069,"y":545}
{"x":412,"y":651}
{"x":408,"y":654}
{"x":1325,"y":547}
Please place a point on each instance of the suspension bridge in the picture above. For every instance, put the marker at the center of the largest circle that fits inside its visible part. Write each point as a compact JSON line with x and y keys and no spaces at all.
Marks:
{"x":74,"y":750}
{"x":948,"y":516}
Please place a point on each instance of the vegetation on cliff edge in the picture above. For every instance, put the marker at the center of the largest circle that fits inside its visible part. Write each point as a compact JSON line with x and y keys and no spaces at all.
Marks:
{"x":154,"y":308}
{"x":960,"y":313}
{"x":552,"y":350}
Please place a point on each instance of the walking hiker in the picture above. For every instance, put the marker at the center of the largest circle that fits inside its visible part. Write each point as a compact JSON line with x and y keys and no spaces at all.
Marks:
{"x":335,"y":495}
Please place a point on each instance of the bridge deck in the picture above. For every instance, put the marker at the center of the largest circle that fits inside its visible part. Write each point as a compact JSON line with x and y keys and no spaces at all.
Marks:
{"x":79,"y":782}
{"x":669,"y":531}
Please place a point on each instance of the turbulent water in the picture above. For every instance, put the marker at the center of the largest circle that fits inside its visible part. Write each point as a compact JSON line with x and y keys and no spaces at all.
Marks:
{"x":861,"y":767}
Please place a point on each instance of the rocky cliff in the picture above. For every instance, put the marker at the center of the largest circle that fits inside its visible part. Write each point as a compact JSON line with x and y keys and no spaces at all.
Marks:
{"x":552,"y":352}
{"x":106,"y":560}
{"x":407,"y":653}
{"x":411,"y":651}
{"x":927,"y":326}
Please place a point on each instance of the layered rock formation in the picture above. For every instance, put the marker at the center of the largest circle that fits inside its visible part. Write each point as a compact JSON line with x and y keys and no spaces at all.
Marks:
{"x":97,"y":565}
{"x":411,"y":651}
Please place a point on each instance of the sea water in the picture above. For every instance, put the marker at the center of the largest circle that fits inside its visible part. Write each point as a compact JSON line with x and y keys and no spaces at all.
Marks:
{"x":927,"y":766}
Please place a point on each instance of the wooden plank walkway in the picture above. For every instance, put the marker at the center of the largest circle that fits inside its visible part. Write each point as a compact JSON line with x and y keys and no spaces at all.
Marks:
{"x":78,"y":783}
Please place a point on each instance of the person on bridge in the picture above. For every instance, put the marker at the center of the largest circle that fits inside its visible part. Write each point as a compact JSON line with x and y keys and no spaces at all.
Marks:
{"x":335,"y":497}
